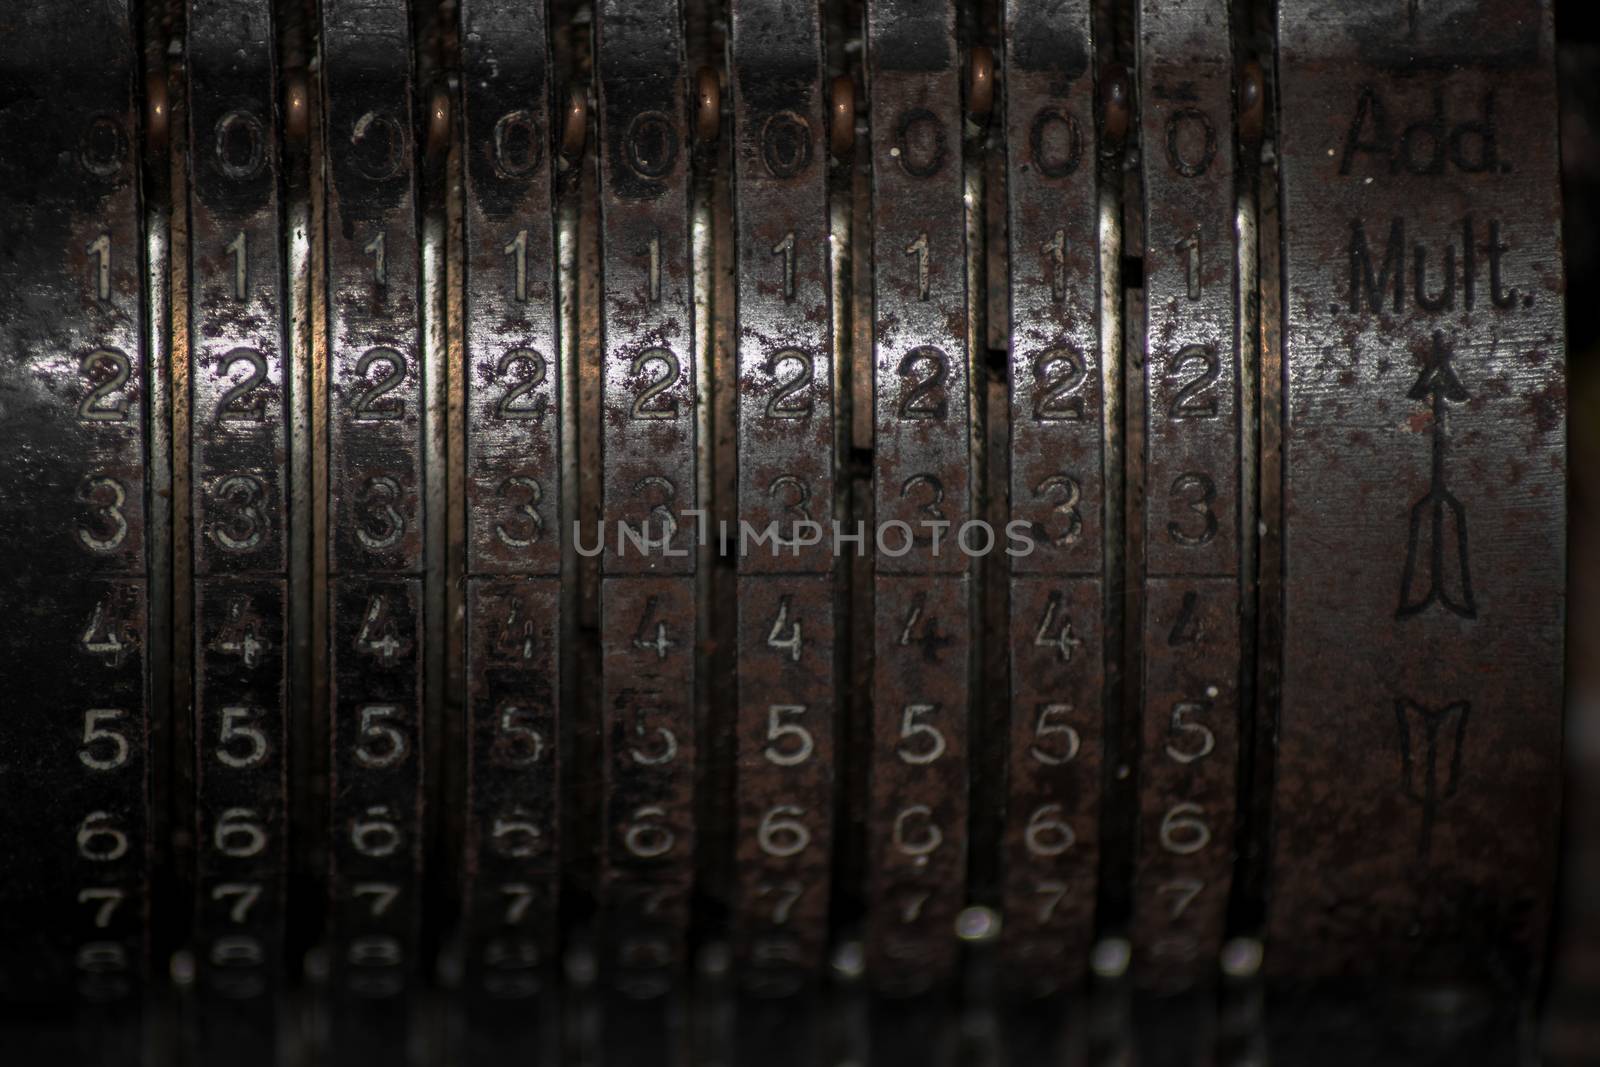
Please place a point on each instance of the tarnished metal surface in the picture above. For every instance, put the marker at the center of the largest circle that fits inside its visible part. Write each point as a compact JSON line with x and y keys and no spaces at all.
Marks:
{"x":74,"y":642}
{"x":1425,"y":437}
{"x":1058,"y":378}
{"x":917,"y":817}
{"x":647,"y":597}
{"x":374,"y":431}
{"x":786,"y":464}
{"x":514,"y":380}
{"x":239,"y":481}
{"x":1188,"y":765}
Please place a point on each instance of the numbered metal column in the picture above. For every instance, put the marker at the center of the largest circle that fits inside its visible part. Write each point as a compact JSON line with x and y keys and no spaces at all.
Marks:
{"x":917,"y":818}
{"x":74,"y":641}
{"x":515,"y":526}
{"x":238,"y":403}
{"x":786,"y":593}
{"x":1191,"y":627}
{"x":376,"y":550}
{"x":648,"y":486}
{"x":1059,"y":469}
{"x":1418,"y":774}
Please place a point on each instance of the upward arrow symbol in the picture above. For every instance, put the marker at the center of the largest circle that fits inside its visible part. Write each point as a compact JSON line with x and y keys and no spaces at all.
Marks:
{"x":1437,"y":568}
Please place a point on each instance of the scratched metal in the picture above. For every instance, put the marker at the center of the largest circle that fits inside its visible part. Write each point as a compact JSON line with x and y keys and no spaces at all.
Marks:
{"x":647,"y":410}
{"x":1419,"y":771}
{"x":513,"y":428}
{"x":786,"y":655}
{"x":1187,"y":767}
{"x":75,"y":638}
{"x":1057,"y":457}
{"x":917,"y":815}
{"x":239,"y":457}
{"x":375,"y":539}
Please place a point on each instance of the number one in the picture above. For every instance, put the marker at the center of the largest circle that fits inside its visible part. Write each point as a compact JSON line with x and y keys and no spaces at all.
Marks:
{"x":380,"y":271}
{"x":100,"y":248}
{"x":517,"y":248}
{"x":236,"y":248}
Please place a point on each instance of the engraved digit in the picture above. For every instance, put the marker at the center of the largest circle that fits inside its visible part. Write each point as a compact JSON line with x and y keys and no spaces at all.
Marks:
{"x":919,"y":248}
{"x":779,"y":406}
{"x":1198,"y":493}
{"x":777,"y":730}
{"x":94,"y":731}
{"x":100,"y":249}
{"x":1183,"y":833}
{"x":1055,"y":250}
{"x":1067,"y":507}
{"x":240,"y":524}
{"x":377,"y":835}
{"x":247,"y":893}
{"x":507,"y":407}
{"x":521,"y":899}
{"x":1182,"y":156}
{"x":910,"y":728}
{"x":1184,"y":891}
{"x":517,"y":249}
{"x":382,"y":744}
{"x":1064,"y":641}
{"x":238,"y":833}
{"x":775,"y":636}
{"x":528,"y":510}
{"x":365,"y":406}
{"x":90,"y":408}
{"x":669,"y":741}
{"x":382,"y":893}
{"x":1181,"y":726}
{"x":99,"y":840}
{"x":926,"y":398}
{"x":1060,"y":376}
{"x":922,"y":847}
{"x":380,"y":493}
{"x":517,"y":743}
{"x":109,"y":898}
{"x":108,"y":513}
{"x":237,"y":249}
{"x":1054,"y":893}
{"x":1189,"y":248}
{"x":648,"y":840}
{"x":787,"y":893}
{"x":513,"y":836}
{"x":230,"y":408}
{"x":781,"y":834}
{"x":236,"y":727}
{"x":785,"y":248}
{"x":1188,"y":404}
{"x":1048,"y":834}
{"x":654,"y":253}
{"x":380,"y":269}
{"x":1048,"y":726}
{"x":668,"y":408}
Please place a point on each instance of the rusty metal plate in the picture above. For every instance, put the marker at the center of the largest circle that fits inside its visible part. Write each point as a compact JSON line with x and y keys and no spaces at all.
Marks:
{"x":1418,"y":774}
{"x":923,"y":486}
{"x":239,"y":477}
{"x":647,"y":408}
{"x":1057,"y":457}
{"x":786,"y":593}
{"x":515,"y":521}
{"x":74,"y":644}
{"x":374,"y":432}
{"x":1191,"y":629}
